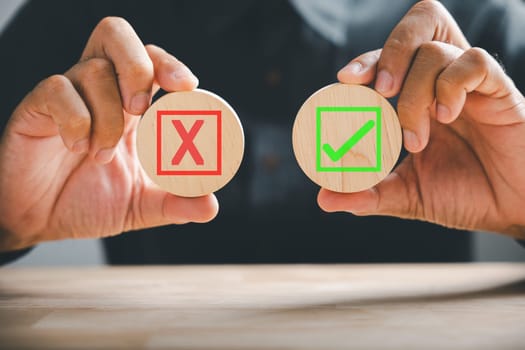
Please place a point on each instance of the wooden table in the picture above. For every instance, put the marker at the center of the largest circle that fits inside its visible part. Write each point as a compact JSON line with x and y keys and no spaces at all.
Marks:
{"x":463,"y":306}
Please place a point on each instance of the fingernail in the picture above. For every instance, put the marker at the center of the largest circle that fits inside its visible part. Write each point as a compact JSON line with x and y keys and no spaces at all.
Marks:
{"x":411,"y":140}
{"x":104,"y":156}
{"x":354,"y":68}
{"x":139,"y":103}
{"x":81,"y":146}
{"x":384,"y":82}
{"x":184,"y":72}
{"x":442,"y":113}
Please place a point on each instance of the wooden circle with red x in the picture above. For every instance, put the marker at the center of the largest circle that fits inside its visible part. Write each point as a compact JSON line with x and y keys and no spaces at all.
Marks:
{"x":190,"y":143}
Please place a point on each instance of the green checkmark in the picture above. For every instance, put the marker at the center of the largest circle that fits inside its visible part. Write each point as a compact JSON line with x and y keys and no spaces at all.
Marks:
{"x":335,"y":155}
{"x":347,"y":146}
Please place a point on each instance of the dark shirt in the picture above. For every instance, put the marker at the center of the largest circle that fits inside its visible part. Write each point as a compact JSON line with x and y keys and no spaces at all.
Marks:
{"x":7,"y":257}
{"x":265,"y":60}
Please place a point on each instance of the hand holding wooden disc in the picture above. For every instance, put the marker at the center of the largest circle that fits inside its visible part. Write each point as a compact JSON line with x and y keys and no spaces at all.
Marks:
{"x":346,"y":138}
{"x":190,"y":143}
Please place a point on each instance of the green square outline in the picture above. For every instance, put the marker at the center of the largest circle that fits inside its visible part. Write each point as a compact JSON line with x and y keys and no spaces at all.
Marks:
{"x":320,"y":110}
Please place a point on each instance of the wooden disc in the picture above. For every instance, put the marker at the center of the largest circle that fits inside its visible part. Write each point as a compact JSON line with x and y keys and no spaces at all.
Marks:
{"x":346,"y":138}
{"x":190,"y":143}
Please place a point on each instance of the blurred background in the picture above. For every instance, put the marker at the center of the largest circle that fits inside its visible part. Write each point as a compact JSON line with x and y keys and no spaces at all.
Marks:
{"x":485,"y":246}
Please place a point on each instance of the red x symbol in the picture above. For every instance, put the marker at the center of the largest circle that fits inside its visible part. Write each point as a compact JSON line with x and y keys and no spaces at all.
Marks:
{"x":207,"y":163}
{"x":187,"y":142}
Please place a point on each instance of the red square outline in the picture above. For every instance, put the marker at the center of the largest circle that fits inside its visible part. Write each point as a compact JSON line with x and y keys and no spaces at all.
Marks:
{"x":160,"y":171}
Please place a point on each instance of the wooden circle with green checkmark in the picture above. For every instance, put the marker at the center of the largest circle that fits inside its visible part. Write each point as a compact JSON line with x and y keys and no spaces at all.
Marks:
{"x":346,"y":138}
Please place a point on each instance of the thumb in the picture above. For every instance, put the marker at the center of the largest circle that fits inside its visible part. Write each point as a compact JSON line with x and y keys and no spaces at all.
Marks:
{"x":157,"y":207}
{"x":394,"y":196}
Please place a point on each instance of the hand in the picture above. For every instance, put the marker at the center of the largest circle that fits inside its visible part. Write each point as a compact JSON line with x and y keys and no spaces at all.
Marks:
{"x":68,"y":162}
{"x":463,"y":121}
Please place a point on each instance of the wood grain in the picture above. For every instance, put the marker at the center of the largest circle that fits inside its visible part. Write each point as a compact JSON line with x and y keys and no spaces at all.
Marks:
{"x":219,"y":142}
{"x":360,"y":167}
{"x":449,"y":306}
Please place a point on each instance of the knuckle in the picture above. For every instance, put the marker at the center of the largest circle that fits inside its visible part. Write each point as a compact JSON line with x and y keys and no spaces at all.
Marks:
{"x":434,"y":53}
{"x":431,"y":12}
{"x":445,"y":82}
{"x":398,"y":45}
{"x":431,"y":8}
{"x":111,"y":25}
{"x":478,"y":56}
{"x":56,"y":84}
{"x":137,"y":69}
{"x":96,"y":69}
{"x":430,"y":48}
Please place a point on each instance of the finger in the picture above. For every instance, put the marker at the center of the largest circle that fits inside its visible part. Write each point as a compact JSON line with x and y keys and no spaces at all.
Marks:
{"x":114,"y":39}
{"x":361,"y":70}
{"x":161,"y":208}
{"x":56,"y":99}
{"x":96,"y":83}
{"x":417,"y":97}
{"x":426,"y":21}
{"x":170,"y":73}
{"x":475,"y":71}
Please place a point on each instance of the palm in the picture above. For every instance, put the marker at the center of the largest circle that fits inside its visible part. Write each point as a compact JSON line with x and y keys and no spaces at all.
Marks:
{"x":445,"y":179}
{"x":111,"y":194}
{"x":67,"y":193}
{"x":459,"y":179}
